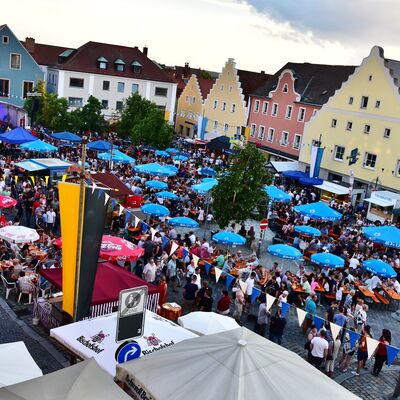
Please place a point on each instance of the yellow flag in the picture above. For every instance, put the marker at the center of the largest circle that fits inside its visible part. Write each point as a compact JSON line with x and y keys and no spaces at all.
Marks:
{"x":16,"y":178}
{"x":33,"y":180}
{"x":166,"y":115}
{"x":46,"y":179}
{"x":247,"y":133}
{"x":64,"y":177}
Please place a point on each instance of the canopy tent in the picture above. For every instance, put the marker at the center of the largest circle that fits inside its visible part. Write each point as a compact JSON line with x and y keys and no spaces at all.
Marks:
{"x":67,"y":137}
{"x":277,"y":194}
{"x":38,"y":146}
{"x":85,"y":380}
{"x":17,"y":136}
{"x":101,"y":145}
{"x":117,"y":157}
{"x":207,"y":323}
{"x":110,"y":280}
{"x":219,"y":143}
{"x":386,"y":235}
{"x":159,"y":333}
{"x":30,"y":166}
{"x":110,"y":181}
{"x":311,"y":181}
{"x":328,"y":260}
{"x":235,"y":364}
{"x":380,"y":268}
{"x":12,"y":357}
{"x":292,"y":174}
{"x":318,"y":210}
{"x":285,"y":251}
{"x":54,"y":166}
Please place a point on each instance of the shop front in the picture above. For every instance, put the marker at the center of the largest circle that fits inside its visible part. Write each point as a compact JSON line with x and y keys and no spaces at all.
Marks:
{"x":330,"y":190}
{"x":383,"y":206}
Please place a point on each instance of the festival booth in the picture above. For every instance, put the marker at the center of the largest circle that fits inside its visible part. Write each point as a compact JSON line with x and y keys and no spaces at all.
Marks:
{"x":82,"y":381}
{"x":96,"y":338}
{"x":383,"y":206}
{"x":234,"y":365}
{"x":13,"y":356}
{"x":331,"y":190}
{"x":110,"y":280}
{"x":52,"y":167}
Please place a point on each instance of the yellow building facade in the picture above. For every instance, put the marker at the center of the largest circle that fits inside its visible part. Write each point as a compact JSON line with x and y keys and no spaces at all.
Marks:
{"x":362,"y":116}
{"x":225,"y":106}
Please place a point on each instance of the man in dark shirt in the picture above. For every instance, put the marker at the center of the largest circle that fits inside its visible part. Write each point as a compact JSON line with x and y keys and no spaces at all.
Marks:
{"x":207,"y":301}
{"x":276,"y":327}
{"x":10,"y":276}
{"x":189,"y":295}
{"x":148,"y":247}
{"x":330,"y":312}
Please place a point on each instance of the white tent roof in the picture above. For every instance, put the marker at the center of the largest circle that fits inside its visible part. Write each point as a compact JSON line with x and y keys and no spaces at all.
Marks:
{"x":96,"y":338}
{"x":236,"y":364}
{"x":82,"y":381}
{"x":207,"y":323}
{"x":16,"y":364}
{"x":281,"y":166}
{"x":333,"y":188}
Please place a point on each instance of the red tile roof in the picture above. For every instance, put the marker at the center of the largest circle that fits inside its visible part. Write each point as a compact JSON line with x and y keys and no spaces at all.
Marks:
{"x":250,"y":81}
{"x":85,"y":60}
{"x":45,"y":54}
{"x":205,"y":86}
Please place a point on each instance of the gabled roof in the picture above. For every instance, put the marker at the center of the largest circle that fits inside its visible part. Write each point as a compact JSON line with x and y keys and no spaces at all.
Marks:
{"x":314,"y":82}
{"x":85,"y":60}
{"x":45,"y":54}
{"x":250,"y":81}
{"x":205,"y":86}
{"x":2,"y":26}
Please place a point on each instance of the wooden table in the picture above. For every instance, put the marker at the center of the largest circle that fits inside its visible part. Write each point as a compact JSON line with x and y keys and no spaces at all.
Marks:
{"x":391,"y":293}
{"x":39,"y":254}
{"x":171,"y":311}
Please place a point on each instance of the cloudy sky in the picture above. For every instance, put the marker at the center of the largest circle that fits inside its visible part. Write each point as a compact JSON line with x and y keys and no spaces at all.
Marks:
{"x":259,"y":34}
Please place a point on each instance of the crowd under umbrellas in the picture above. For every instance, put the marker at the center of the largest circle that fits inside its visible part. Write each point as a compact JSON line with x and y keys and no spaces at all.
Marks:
{"x":346,"y":256}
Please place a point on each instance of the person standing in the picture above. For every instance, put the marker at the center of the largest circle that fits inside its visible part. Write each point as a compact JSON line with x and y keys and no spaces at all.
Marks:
{"x":149,"y":271}
{"x":239,"y":302}
{"x":262,"y":320}
{"x":249,"y":291}
{"x":333,"y":352}
{"x":362,"y":352}
{"x":51,"y":219}
{"x":319,"y":349}
{"x":276,"y":327}
{"x":189,"y":295}
{"x":381,"y":351}
{"x":171,"y":273}
{"x":223,"y":306}
{"x":207,"y":301}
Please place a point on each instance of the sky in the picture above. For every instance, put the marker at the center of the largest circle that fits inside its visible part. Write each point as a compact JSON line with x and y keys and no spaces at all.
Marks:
{"x":258,"y":34}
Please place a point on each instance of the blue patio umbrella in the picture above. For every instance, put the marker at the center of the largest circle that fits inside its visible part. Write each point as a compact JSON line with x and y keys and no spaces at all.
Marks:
{"x":171,"y":168}
{"x":207,"y":180}
{"x":150,"y":148}
{"x":157,"y":185}
{"x":167,"y":195}
{"x":180,"y":158}
{"x":204,"y":187}
{"x":66,"y":136}
{"x":172,"y":150}
{"x":318,"y":210}
{"x":294,"y":174}
{"x":386,"y":235}
{"x":154,"y":169}
{"x":39,"y":146}
{"x":155,"y":210}
{"x":328,"y":260}
{"x":17,"y":136}
{"x":137,"y":178}
{"x":285,"y":251}
{"x":229,"y":238}
{"x":380,"y":268}
{"x":101,"y":145}
{"x":311,"y":181}
{"x":277,"y":194}
{"x":307,"y":230}
{"x":117,"y":157}
{"x":184,"y":222}
{"x":162,"y":153}
{"x":208,"y":171}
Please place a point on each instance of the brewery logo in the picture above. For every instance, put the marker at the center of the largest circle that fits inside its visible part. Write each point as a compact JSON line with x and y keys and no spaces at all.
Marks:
{"x":127,"y":351}
{"x":152,"y":340}
{"x":99,"y":337}
{"x":93,"y":342}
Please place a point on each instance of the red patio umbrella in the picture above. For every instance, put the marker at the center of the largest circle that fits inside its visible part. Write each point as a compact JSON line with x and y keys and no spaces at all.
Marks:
{"x":7,"y":202}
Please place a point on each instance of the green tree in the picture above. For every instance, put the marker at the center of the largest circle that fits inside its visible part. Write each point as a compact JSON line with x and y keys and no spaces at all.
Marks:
{"x":240,"y":191}
{"x":90,"y":117}
{"x":144,"y":123}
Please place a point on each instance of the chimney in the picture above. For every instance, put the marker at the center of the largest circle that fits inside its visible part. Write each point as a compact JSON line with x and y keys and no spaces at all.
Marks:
{"x":263,"y":72}
{"x":145,"y":50}
{"x":186,"y":65}
{"x":30,"y":45}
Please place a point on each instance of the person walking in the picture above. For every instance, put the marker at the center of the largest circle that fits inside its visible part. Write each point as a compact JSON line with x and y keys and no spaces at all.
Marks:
{"x":381,"y":351}
{"x":262,"y":319}
{"x":189,"y":295}
{"x":276,"y":327}
{"x":362,"y":352}
{"x":319,"y":349}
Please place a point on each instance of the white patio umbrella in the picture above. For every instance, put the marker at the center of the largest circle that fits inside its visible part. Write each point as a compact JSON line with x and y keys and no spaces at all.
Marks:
{"x":18,"y":234}
{"x":207,"y":323}
{"x":232,"y":365}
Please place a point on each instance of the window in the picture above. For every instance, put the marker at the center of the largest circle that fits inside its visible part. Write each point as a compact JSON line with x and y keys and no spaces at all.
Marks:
{"x":284,"y":138}
{"x":270,"y":137}
{"x":106,"y":85}
{"x":386,"y":133}
{"x":339,"y":153}
{"x":314,"y":112}
{"x":5,"y":40}
{"x":119,"y":65}
{"x":349,"y":126}
{"x":334,"y":123}
{"x":377,"y":104}
{"x":256,"y":106}
{"x":15,"y":61}
{"x":75,"y":102}
{"x":233,"y":107}
{"x":136,"y":67}
{"x":364,"y":102}
{"x":230,"y":88}
{"x":180,"y":129}
{"x":76,"y":82}
{"x":226,"y":127}
{"x":223,"y":107}
{"x":104,"y":104}
{"x":118,"y":105}
{"x":351,"y":99}
{"x":222,"y":88}
{"x":252,"y":129}
{"x":120,"y":87}
{"x":188,"y":131}
{"x":314,"y":143}
{"x":102,"y":65}
{"x":297,"y":141}
{"x":27,"y":87}
{"x":370,"y":78}
{"x":302,"y":114}
{"x":193,"y":100}
{"x":265,"y":107}
{"x":398,"y":168}
{"x":215,"y":104}
{"x":289,"y":110}
{"x":367,"y":129}
{"x":186,"y":99}
{"x":285,"y":88}
{"x":261,"y":131}
{"x":370,"y":160}
{"x":4,"y":88}
{"x":238,"y":133}
{"x":215,"y":125}
{"x":274,"y":110}
{"x":135,"y":87}
{"x":162,"y":92}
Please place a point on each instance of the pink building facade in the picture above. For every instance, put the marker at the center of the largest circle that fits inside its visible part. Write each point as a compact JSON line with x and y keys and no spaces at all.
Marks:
{"x":280,"y":109}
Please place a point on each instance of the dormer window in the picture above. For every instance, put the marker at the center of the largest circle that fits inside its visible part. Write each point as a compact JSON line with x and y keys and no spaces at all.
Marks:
{"x":119,"y":65}
{"x":136,"y":67}
{"x":102,"y":63}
